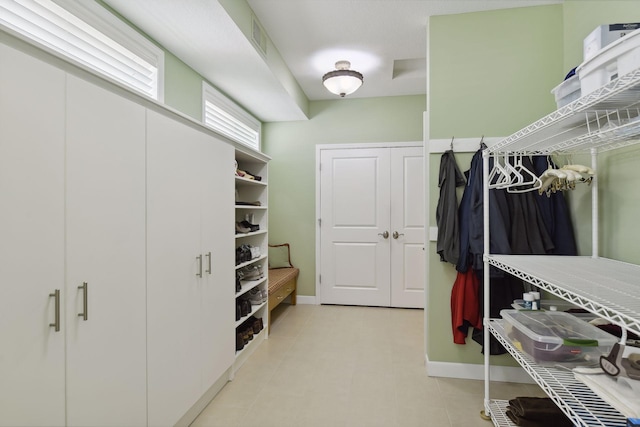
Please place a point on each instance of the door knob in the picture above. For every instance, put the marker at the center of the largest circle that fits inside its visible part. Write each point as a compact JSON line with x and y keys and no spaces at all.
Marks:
{"x":396,"y":234}
{"x":385,"y":234}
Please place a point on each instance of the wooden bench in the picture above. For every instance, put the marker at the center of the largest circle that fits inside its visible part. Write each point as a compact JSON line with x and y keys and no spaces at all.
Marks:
{"x":283,"y":280}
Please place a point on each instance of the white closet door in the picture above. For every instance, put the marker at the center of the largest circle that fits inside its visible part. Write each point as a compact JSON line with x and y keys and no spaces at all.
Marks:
{"x":218,"y":231}
{"x":173,"y":290}
{"x":105,"y":192}
{"x":32,"y":240}
{"x":407,"y":220}
{"x":355,"y":210}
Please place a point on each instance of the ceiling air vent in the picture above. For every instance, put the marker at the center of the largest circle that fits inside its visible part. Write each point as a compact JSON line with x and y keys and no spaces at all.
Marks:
{"x":258,"y":36}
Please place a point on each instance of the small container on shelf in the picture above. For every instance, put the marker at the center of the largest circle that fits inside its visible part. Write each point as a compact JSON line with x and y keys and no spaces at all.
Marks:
{"x":615,"y":60}
{"x":567,"y":91}
{"x":553,"y":337}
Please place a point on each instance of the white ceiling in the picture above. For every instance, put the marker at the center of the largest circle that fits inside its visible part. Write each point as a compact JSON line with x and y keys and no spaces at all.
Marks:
{"x":383,"y":39}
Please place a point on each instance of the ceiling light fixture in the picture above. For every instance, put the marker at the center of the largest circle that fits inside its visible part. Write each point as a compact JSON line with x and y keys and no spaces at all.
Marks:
{"x":342,"y":81}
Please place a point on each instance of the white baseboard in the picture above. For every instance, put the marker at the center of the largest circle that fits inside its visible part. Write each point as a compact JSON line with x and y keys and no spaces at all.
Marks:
{"x":204,"y":400}
{"x":469,"y":371}
{"x":306,"y":299}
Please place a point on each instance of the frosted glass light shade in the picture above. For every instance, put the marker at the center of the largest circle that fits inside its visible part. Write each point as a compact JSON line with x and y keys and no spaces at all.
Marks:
{"x":342,"y":81}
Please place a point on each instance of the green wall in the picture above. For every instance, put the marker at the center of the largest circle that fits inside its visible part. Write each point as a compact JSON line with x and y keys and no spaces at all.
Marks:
{"x":292,"y":174}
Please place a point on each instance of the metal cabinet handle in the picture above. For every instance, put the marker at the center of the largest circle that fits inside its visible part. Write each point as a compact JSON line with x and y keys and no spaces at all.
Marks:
{"x":385,"y":234}
{"x":396,"y":234}
{"x":208,"y":255}
{"x":85,"y":301}
{"x":199,"y":259}
{"x":56,"y":322}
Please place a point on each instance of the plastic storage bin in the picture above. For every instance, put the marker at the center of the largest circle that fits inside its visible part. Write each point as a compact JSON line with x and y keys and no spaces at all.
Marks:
{"x":616,"y":59}
{"x":604,"y":35}
{"x":567,"y":91}
{"x":553,"y":337}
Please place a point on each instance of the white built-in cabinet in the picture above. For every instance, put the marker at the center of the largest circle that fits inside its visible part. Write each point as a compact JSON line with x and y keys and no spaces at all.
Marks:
{"x":116,"y":252}
{"x":72,"y":269}
{"x":190,"y":265}
{"x":105,"y":293}
{"x":32,"y":354}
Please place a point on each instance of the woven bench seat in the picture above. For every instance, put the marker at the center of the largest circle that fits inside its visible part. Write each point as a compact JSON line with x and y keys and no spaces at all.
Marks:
{"x":279,"y":277}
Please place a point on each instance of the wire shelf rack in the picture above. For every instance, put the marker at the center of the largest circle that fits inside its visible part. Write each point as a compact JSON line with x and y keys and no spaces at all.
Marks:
{"x":605,"y":287}
{"x":606,"y":119}
{"x":578,"y":402}
{"x":499,"y":413}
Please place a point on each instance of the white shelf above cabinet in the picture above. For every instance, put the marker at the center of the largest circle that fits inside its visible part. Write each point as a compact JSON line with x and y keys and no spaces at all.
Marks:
{"x":244,"y":181}
{"x":254,"y":233}
{"x":608,"y":288}
{"x":251,"y":207}
{"x":573,"y":397}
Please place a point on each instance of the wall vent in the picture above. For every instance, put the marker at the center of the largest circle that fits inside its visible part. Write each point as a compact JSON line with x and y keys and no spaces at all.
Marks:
{"x":258,"y":36}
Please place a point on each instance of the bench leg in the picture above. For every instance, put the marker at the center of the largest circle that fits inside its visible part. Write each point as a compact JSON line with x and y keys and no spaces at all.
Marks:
{"x":295,"y":292}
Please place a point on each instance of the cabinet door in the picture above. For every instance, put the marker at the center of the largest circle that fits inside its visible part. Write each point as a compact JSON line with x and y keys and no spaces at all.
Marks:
{"x":173,"y":289}
{"x":105,"y":247}
{"x":218,"y":288}
{"x":32,"y":240}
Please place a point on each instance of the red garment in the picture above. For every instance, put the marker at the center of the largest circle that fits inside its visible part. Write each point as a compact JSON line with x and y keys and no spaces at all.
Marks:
{"x":465,"y":305}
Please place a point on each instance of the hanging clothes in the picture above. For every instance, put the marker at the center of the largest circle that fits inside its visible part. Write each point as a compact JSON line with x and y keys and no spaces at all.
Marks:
{"x":555,"y":213}
{"x":471,"y":217}
{"x":465,"y":310}
{"x":528,"y":234}
{"x":450,"y":177}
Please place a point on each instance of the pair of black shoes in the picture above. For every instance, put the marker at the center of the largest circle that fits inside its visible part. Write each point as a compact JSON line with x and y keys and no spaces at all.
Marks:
{"x":246,"y":227}
{"x":243,"y":308}
{"x":246,"y":331}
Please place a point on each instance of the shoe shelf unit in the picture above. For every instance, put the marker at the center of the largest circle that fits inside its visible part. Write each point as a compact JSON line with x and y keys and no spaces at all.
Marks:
{"x":251,"y":207}
{"x":604,"y":120}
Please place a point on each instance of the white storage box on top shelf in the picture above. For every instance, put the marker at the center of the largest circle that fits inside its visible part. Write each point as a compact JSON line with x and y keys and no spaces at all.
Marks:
{"x":553,"y":337}
{"x":614,"y":60}
{"x":567,"y":91}
{"x":604,"y":35}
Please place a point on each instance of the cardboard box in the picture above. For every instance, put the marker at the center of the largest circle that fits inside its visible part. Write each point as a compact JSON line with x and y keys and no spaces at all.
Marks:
{"x":604,"y":35}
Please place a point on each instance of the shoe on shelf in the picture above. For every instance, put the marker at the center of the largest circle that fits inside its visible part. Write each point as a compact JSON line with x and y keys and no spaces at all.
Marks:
{"x":239,"y":341}
{"x":255,"y":296}
{"x":246,"y":224}
{"x":265,"y":295}
{"x":244,"y":174}
{"x":253,"y":176}
{"x":241,"y":228}
{"x":251,"y":272}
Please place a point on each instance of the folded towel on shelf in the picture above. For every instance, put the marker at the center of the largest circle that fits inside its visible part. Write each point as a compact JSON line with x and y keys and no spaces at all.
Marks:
{"x":621,"y":393}
{"x":536,"y":412}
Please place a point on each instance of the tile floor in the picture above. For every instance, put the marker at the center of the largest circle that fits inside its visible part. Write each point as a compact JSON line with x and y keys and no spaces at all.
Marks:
{"x":335,"y":366}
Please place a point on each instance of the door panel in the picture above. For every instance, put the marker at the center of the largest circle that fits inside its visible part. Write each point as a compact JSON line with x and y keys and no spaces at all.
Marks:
{"x":105,"y":195}
{"x":355,"y":213}
{"x":173,"y":243}
{"x":407,"y":219}
{"x":32,"y":383}
{"x":218,"y":311}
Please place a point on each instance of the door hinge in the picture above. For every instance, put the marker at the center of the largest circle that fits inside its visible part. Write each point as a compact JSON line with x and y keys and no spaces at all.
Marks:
{"x":319,"y":222}
{"x":320,"y":278}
